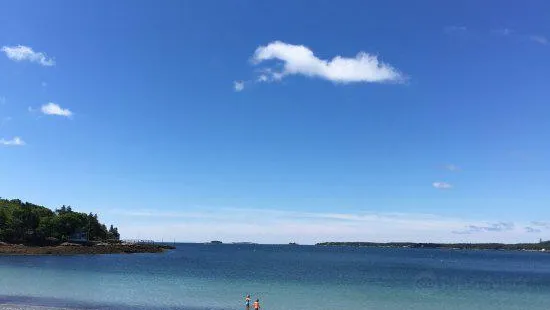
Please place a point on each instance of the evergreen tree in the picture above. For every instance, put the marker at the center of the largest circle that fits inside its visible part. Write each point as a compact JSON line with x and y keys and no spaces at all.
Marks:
{"x":33,"y":224}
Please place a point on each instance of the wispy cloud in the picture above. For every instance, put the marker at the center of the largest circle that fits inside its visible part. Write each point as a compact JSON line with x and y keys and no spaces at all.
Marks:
{"x":54,"y":109}
{"x":503,"y":31}
{"x":539,"y":39}
{"x":541,"y":224}
{"x":285,"y":225}
{"x":300,"y":60}
{"x":263,"y":78}
{"x":238,"y":86}
{"x":452,"y":167}
{"x":532,"y":230}
{"x":15,"y":141}
{"x":276,"y":226}
{"x":2,"y":100}
{"x":25,"y":53}
{"x":495,"y":227}
{"x":455,"y":29}
{"x":442,"y":185}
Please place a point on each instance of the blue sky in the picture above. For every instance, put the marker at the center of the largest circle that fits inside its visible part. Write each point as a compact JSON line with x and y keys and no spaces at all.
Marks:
{"x":278,"y":121}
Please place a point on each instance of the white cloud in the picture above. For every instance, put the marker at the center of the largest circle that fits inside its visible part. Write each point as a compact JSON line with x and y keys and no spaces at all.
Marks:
{"x":238,"y":85}
{"x":263,"y":78}
{"x":300,"y":60}
{"x":281,"y":226}
{"x":532,"y":230}
{"x":539,"y":39}
{"x":16,"y":141}
{"x":54,"y":109}
{"x":503,"y":31}
{"x":21,"y":53}
{"x":455,"y":29}
{"x":494,"y":227}
{"x":452,"y":167}
{"x":545,"y":225}
{"x":442,"y":185}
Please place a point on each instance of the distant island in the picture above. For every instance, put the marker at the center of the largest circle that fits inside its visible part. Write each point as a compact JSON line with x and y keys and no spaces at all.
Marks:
{"x":542,"y":246}
{"x":27,"y":228}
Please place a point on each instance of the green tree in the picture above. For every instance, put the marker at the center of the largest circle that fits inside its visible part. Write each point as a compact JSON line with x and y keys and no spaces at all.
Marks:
{"x":29,"y":223}
{"x":113,"y":233}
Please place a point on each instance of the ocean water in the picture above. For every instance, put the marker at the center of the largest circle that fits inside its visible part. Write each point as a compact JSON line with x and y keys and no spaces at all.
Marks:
{"x":196,"y":276}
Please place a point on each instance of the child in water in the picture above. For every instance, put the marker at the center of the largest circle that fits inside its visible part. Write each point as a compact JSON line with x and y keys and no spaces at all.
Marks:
{"x":247,"y":302}
{"x":257,"y":304}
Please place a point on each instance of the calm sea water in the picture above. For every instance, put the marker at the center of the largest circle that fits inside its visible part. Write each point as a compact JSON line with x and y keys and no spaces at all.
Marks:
{"x":284,"y":277}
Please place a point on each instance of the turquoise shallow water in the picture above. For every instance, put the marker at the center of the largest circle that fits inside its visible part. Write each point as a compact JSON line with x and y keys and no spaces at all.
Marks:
{"x":199,"y":276}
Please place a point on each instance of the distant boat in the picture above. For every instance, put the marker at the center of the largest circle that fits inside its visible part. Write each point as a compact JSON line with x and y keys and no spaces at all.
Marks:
{"x":293,"y":243}
{"x":215,"y":242}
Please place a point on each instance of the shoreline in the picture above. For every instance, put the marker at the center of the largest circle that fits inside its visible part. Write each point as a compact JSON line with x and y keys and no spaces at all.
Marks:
{"x":526,"y":247}
{"x":74,"y":249}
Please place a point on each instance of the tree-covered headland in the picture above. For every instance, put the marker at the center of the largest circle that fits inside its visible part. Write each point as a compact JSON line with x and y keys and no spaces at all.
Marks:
{"x":27,"y":223}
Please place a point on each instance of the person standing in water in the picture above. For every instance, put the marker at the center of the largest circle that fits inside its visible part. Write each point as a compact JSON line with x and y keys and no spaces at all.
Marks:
{"x":247,"y":302}
{"x":257,"y":304}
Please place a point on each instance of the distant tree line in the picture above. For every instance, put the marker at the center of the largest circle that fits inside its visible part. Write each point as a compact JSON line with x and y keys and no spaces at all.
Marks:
{"x":23,"y":222}
{"x":542,"y":245}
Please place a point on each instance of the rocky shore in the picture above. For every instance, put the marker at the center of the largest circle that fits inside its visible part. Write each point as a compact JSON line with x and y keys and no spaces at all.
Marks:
{"x":77,"y":249}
